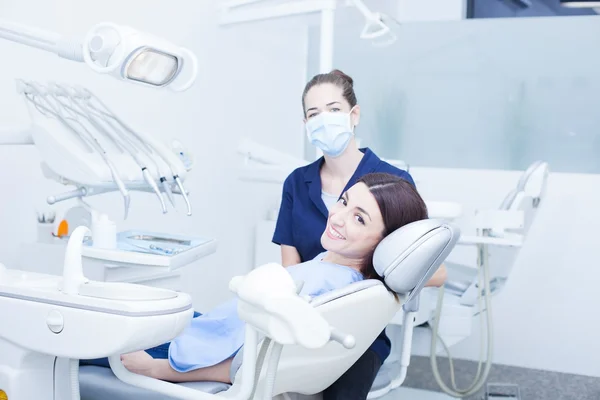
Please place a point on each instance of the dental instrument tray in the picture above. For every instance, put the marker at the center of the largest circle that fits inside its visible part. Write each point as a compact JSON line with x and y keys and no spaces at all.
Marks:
{"x":152,"y":249}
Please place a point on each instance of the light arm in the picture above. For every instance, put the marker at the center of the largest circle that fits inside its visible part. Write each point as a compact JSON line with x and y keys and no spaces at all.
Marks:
{"x":117,"y":50}
{"x":32,"y":37}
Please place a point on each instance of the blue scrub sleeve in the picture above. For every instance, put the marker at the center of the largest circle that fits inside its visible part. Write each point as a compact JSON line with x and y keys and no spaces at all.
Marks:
{"x":283,"y":228}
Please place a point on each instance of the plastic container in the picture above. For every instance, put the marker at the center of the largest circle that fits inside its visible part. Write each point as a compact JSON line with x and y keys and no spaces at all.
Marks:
{"x":104,"y":232}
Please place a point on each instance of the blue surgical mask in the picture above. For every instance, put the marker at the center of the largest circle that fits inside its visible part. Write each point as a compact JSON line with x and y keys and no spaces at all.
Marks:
{"x":330,"y":131}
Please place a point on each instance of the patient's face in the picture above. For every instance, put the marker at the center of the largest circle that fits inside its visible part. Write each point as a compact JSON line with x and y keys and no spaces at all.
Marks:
{"x":355,"y":225}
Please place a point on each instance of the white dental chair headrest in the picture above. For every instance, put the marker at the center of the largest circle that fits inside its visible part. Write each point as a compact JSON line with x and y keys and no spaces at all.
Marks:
{"x":408,"y":257}
{"x":532,"y":183}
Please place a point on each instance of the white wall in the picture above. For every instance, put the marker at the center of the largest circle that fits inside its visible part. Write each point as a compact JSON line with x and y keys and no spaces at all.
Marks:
{"x":430,"y":10}
{"x":249,"y":84}
{"x":545,"y":316}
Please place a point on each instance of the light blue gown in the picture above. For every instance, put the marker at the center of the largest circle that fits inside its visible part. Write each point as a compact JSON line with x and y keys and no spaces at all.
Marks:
{"x":219,"y":334}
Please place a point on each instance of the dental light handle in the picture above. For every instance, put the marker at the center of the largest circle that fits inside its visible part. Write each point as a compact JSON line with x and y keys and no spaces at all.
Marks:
{"x":73,"y":276}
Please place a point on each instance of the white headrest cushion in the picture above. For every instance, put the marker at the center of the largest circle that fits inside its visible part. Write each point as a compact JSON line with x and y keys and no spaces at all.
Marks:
{"x":409,"y":256}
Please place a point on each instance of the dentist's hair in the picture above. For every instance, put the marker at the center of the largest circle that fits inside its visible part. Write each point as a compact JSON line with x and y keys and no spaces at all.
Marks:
{"x":399,"y":203}
{"x":337,"y":78}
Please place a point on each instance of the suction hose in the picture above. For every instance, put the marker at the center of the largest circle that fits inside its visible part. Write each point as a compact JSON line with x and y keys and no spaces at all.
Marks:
{"x":272,"y":370}
{"x":74,"y":368}
{"x":480,"y":378}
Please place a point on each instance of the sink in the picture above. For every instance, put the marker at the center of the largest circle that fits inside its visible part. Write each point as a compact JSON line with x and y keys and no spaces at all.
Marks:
{"x":20,"y":279}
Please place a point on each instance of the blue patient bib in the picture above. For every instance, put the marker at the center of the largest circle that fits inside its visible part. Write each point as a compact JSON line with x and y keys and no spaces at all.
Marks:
{"x":219,"y":334}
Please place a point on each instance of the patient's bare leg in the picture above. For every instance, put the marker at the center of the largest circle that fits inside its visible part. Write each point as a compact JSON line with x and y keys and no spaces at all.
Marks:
{"x":214,"y":373}
{"x":142,"y":363}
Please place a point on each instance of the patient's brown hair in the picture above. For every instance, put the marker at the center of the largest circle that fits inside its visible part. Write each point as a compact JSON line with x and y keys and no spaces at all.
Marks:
{"x":400,"y":204}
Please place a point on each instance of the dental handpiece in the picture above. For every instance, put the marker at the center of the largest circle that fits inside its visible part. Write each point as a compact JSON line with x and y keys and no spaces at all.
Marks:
{"x":121,"y":142}
{"x":167,"y":189}
{"x":150,"y":181}
{"x":90,"y":140}
{"x":89,"y":95}
{"x":184,"y":194}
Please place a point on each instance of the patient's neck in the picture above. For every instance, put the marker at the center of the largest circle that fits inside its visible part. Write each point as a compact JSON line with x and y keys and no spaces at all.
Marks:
{"x":336,"y":258}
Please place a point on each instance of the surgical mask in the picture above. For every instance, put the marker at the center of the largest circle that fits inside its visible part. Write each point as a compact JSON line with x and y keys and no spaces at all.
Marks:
{"x":331,"y":132}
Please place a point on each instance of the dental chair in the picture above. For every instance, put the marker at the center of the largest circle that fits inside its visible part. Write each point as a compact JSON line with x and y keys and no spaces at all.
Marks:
{"x":356,"y":314}
{"x":525,"y":198}
{"x":499,"y":239}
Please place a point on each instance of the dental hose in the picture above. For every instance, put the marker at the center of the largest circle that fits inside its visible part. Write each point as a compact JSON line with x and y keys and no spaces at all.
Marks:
{"x":480,"y":378}
{"x":74,"y":369}
{"x":89,"y":140}
{"x":272,"y":370}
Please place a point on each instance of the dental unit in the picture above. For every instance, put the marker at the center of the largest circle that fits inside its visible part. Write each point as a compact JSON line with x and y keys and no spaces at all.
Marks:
{"x":109,"y":154}
{"x":83,"y":143}
{"x":446,"y":315}
{"x":296,"y":347}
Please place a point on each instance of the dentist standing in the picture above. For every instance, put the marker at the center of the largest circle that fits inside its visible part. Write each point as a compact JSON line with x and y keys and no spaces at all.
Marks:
{"x":331,"y":114}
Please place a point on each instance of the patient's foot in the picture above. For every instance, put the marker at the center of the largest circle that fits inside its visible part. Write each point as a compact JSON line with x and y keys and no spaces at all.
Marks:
{"x":140,"y":363}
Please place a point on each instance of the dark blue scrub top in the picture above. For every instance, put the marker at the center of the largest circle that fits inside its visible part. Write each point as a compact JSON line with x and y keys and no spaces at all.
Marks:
{"x":303,"y":215}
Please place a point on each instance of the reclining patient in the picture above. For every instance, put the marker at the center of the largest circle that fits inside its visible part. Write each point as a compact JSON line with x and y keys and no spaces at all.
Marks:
{"x":374,"y":207}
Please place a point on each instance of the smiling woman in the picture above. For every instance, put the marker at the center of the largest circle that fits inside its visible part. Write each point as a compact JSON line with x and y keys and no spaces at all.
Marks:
{"x":375,"y":206}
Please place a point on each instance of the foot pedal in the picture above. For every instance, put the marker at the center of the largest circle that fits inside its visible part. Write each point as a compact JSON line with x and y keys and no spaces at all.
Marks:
{"x":502,"y":391}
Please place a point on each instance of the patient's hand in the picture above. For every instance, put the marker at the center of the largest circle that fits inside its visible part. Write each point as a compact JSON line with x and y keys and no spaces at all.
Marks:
{"x":140,"y":363}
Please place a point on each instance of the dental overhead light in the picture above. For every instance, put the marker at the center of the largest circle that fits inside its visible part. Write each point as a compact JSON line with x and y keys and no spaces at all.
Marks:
{"x":580,"y":3}
{"x":376,"y":29}
{"x":120,"y":51}
{"x":375,"y":26}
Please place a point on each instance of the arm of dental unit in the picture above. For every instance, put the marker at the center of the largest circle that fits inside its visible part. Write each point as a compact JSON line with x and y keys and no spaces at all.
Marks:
{"x":126,"y":54}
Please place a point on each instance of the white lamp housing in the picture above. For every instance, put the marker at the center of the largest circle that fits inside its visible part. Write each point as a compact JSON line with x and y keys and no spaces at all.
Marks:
{"x":139,"y":57}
